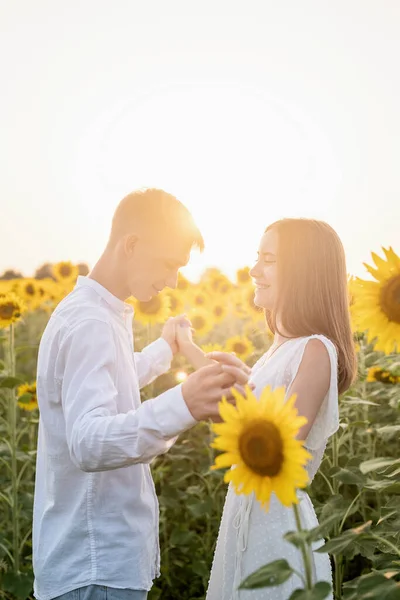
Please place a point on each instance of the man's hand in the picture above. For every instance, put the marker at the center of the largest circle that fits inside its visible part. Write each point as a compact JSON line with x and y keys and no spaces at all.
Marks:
{"x":170,"y":329}
{"x":204,"y":388}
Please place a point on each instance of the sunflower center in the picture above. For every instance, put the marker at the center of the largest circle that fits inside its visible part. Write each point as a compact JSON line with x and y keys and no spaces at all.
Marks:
{"x":151,"y":307}
{"x":199,"y":300}
{"x":261,"y":448}
{"x":30,"y":290}
{"x":390,"y":299}
{"x":239,"y":347}
{"x":198,"y":322}
{"x":8,"y":310}
{"x":218,"y":311}
{"x":65,"y":270}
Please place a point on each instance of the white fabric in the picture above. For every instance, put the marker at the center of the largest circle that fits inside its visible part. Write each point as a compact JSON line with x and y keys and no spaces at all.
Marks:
{"x":95,"y":508}
{"x":249,"y":537}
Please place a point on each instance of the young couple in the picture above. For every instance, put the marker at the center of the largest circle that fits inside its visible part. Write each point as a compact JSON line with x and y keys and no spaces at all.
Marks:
{"x":95,"y":523}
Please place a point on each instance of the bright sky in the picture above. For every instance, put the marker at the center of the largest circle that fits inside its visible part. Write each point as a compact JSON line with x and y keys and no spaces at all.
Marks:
{"x":246,"y":111}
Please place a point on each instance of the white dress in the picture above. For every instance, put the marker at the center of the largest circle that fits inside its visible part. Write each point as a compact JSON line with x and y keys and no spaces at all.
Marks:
{"x":248,"y":536}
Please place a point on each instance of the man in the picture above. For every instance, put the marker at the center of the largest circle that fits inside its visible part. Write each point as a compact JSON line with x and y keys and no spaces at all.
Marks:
{"x":95,"y":524}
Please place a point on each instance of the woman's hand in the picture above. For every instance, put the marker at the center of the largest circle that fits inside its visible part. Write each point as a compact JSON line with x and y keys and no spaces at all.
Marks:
{"x":170,"y":331}
{"x":229,"y":362}
{"x":184,"y":337}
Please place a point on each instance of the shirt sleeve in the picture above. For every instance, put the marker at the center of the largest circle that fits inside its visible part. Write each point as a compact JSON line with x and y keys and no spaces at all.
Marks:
{"x":98,"y":437}
{"x":154,"y":360}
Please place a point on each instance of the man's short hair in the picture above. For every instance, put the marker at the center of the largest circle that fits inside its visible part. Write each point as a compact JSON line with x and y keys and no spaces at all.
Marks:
{"x":155,"y":212}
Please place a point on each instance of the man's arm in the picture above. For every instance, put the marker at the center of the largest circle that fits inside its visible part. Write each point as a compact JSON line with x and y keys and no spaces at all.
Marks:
{"x":155,"y":359}
{"x":99,"y":438}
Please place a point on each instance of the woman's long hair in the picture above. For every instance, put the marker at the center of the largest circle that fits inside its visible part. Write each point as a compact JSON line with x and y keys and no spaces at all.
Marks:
{"x":312,"y":289}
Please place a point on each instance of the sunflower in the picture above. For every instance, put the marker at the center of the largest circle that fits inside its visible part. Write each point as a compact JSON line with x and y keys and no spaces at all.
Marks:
{"x":11,"y":309}
{"x":212,"y":348}
{"x":27,"y":397}
{"x":6,"y":286}
{"x":65,"y":271}
{"x":376,"y":306}
{"x":258,"y":438}
{"x":156,"y":310}
{"x":29,"y":291}
{"x":199,"y":298}
{"x":250,"y":309}
{"x":201,"y":321}
{"x":219,"y":312}
{"x":241,"y":346}
{"x":379,"y":374}
{"x":243,"y":276}
{"x":176,"y":303}
{"x":183,"y":284}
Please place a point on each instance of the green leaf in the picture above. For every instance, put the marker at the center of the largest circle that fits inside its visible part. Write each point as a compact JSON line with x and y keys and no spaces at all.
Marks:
{"x":275,"y":573}
{"x":25,"y":398}
{"x":296,"y":538}
{"x":20,"y":585}
{"x":377,"y":464}
{"x":200,"y":568}
{"x":323,"y":528}
{"x":388,"y":429}
{"x":349,"y":476}
{"x":385,"y":485}
{"x":359,"y":402}
{"x":10,"y":382}
{"x":320,"y":591}
{"x":374,"y":586}
{"x":345,"y":540}
{"x":181,"y":537}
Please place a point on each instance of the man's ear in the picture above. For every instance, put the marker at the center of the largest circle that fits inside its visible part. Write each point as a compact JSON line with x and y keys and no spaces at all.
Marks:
{"x":130,"y":242}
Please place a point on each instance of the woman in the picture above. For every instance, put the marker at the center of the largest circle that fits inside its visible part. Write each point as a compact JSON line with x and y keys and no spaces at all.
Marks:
{"x":301,"y":283}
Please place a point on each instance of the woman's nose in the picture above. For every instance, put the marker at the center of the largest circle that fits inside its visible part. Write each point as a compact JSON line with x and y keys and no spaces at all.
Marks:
{"x":253,"y":271}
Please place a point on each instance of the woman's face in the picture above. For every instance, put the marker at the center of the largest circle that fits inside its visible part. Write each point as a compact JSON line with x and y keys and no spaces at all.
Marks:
{"x":264,"y":271}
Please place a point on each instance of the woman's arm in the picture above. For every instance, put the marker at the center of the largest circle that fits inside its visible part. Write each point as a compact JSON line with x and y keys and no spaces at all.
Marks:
{"x":193,"y":353}
{"x":311,"y":383}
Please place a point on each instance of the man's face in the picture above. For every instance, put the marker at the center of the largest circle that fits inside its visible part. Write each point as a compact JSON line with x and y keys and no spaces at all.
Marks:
{"x":152,"y":265}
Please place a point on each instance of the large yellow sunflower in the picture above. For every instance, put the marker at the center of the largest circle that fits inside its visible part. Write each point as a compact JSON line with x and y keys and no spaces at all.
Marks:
{"x":240,"y":345}
{"x":156,"y":310}
{"x":65,"y":271}
{"x":11,"y":309}
{"x":258,"y":438}
{"x":27,"y":397}
{"x":376,"y":304}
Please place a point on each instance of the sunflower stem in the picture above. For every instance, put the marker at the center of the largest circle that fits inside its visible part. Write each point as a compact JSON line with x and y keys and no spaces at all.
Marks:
{"x":12,"y":416}
{"x":305,"y":550}
{"x":337,"y":558}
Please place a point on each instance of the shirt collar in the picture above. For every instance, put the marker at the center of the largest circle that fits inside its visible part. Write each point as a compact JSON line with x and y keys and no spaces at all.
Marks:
{"x":116,"y":304}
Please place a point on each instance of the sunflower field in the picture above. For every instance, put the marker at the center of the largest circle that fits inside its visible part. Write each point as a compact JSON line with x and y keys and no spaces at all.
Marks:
{"x":356,"y":492}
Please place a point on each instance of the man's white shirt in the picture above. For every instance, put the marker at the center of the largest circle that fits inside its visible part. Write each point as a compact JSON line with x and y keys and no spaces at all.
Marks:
{"x":96,"y":512}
